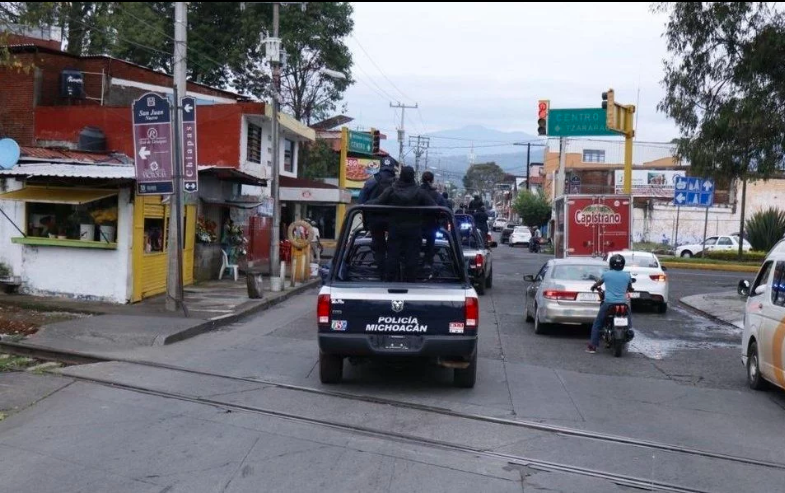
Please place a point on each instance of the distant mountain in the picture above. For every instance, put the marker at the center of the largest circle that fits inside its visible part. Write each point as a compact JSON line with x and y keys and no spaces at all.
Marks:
{"x":450,"y":150}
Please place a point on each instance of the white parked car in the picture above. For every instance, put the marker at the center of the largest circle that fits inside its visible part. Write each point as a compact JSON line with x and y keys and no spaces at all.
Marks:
{"x":763,"y":337}
{"x":499,"y":223}
{"x":651,"y":281}
{"x":521,"y":235}
{"x":713,"y":244}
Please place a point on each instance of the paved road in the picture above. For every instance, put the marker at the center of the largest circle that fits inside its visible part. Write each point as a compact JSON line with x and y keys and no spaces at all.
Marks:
{"x":250,"y":414}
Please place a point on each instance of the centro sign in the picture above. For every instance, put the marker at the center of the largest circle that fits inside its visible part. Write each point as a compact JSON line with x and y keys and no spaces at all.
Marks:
{"x":597,"y":214}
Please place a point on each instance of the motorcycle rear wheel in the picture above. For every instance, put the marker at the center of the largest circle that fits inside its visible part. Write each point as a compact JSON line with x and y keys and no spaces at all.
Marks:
{"x":618,"y":347}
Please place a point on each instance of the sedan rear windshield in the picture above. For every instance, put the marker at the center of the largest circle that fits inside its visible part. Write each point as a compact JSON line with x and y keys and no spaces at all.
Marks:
{"x":578,"y":272}
{"x":640,"y":261}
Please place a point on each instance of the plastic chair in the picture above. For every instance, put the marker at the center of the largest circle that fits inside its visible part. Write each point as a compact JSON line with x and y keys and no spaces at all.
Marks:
{"x":226,"y":265}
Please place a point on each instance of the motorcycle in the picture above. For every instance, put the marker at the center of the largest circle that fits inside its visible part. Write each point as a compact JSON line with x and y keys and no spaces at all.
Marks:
{"x":616,"y":331}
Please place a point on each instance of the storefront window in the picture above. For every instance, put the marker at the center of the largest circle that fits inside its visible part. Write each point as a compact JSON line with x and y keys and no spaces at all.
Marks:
{"x":325,"y":219}
{"x":91,"y":221}
{"x":153,"y":235}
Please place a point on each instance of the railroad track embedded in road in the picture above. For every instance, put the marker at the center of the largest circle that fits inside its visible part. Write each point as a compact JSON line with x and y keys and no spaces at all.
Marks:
{"x":82,"y":358}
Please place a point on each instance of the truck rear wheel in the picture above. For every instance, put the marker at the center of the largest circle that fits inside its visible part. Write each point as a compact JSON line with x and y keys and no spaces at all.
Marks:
{"x":330,"y":368}
{"x":466,"y":377}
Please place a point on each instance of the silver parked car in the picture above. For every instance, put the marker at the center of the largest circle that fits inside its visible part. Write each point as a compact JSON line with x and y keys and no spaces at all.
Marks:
{"x":561,"y":292}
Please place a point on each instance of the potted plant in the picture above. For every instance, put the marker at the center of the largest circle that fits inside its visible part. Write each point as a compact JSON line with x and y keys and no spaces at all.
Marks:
{"x":205,"y":230}
{"x":106,"y":220}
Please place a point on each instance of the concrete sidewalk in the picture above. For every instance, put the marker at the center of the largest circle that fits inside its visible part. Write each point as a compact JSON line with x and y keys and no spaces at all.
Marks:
{"x":726,"y":307}
{"x":113,"y":327}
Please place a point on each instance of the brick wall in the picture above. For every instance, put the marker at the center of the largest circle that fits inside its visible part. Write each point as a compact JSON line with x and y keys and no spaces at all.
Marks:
{"x":17,"y":112}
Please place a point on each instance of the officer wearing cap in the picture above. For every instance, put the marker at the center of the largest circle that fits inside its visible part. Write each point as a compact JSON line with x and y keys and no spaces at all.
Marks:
{"x":377,"y":223}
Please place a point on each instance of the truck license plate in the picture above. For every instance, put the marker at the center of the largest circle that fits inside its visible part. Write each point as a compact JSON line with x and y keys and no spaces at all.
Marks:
{"x":621,"y":322}
{"x":396,"y":342}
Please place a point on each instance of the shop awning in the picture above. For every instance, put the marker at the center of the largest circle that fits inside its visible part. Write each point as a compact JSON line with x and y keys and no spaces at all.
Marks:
{"x":52,"y":195}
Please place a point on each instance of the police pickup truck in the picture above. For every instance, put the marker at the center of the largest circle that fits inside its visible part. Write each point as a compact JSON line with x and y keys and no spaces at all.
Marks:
{"x":361,"y":315}
{"x":476,"y":253}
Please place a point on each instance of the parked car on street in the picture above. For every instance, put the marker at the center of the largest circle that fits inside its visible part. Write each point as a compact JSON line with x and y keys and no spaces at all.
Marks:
{"x":763,"y":336}
{"x":728,"y":243}
{"x":560,"y":293}
{"x":507,"y":231}
{"x":651,"y":281}
{"x":478,"y":257}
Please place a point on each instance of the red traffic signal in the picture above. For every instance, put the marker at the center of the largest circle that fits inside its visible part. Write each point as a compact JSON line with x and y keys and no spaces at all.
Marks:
{"x":542,"y":116}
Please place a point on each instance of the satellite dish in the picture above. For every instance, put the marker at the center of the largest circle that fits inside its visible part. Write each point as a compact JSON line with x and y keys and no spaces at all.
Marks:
{"x":9,"y":153}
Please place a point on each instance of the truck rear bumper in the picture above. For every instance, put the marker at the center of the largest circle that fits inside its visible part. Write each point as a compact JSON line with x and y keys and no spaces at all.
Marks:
{"x":385,"y":345}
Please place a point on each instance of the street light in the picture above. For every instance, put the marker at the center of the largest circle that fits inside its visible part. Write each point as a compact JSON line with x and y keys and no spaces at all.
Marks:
{"x":332,"y":73}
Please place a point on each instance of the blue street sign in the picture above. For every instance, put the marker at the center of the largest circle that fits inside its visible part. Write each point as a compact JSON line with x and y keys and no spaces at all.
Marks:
{"x":693,"y":192}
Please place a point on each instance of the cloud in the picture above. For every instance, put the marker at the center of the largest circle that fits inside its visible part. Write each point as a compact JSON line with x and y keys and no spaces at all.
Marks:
{"x":489,"y":63}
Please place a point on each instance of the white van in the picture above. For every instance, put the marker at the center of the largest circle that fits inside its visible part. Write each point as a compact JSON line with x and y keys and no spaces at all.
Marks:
{"x":763,"y":339}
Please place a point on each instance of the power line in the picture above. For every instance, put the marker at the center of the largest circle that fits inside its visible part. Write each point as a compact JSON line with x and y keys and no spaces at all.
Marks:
{"x":379,"y":69}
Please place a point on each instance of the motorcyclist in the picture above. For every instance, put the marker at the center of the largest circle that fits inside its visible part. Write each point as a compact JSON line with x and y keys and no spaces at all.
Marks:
{"x":405,"y":228}
{"x":481,"y":220}
{"x":617,"y":284}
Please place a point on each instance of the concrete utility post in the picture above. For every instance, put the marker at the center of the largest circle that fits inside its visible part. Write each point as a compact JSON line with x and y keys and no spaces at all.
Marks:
{"x":274,"y":45}
{"x":401,"y":132}
{"x":174,"y":278}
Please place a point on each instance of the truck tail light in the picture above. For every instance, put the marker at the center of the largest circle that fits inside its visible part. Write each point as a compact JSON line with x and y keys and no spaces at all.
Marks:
{"x":552,"y":294}
{"x":323,"y":309}
{"x":478,"y":261}
{"x":472,"y":310}
{"x":659,"y":277}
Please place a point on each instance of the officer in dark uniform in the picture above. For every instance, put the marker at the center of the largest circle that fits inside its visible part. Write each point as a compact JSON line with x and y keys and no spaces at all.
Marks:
{"x":377,"y":223}
{"x":405,"y":235}
{"x":430,"y":224}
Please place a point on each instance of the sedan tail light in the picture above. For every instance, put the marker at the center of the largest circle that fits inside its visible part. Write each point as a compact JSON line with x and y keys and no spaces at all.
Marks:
{"x":323,"y":309}
{"x":472,"y":311}
{"x":659,"y":277}
{"x":552,"y":294}
{"x":478,"y":261}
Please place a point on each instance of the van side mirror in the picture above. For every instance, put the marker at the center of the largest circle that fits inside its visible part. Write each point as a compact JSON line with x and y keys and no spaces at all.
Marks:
{"x":760,"y":290}
{"x":664,"y":269}
{"x":743,"y":288}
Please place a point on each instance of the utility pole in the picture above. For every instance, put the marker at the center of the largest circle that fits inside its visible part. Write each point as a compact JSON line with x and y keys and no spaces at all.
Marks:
{"x":420,"y":145}
{"x":274,"y":56}
{"x":174,"y":278}
{"x":528,"y":163}
{"x":401,"y":132}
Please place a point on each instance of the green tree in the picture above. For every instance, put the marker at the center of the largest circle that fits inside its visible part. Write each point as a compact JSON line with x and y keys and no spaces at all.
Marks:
{"x":482,"y":178}
{"x":725,"y":88}
{"x":533,"y":208}
{"x":319,"y":160}
{"x":225,"y":43}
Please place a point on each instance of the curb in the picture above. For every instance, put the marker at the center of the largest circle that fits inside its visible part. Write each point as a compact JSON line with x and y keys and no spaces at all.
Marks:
{"x":706,"y":314}
{"x":223,"y":320}
{"x":714,"y":267}
{"x":78,"y":357}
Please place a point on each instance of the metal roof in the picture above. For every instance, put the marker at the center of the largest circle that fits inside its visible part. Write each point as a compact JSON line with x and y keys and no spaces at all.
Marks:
{"x":62,"y":170}
{"x":50,"y":154}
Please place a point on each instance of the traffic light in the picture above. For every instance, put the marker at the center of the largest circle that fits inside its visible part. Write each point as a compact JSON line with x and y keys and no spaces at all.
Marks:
{"x":542,"y":116}
{"x":376,"y":138}
{"x":609,"y":105}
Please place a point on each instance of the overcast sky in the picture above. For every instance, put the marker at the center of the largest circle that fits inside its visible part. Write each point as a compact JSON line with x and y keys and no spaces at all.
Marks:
{"x":489,"y":63}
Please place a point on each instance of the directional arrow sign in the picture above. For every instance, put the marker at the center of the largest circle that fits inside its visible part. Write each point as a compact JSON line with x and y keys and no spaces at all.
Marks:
{"x":152,"y":125}
{"x":190,"y":163}
{"x":693,"y":192}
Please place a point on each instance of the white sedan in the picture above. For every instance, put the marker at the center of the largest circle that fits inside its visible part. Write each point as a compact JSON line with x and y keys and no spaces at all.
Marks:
{"x":651,"y":281}
{"x":499,"y":223}
{"x":521,"y":235}
{"x":728,"y":243}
